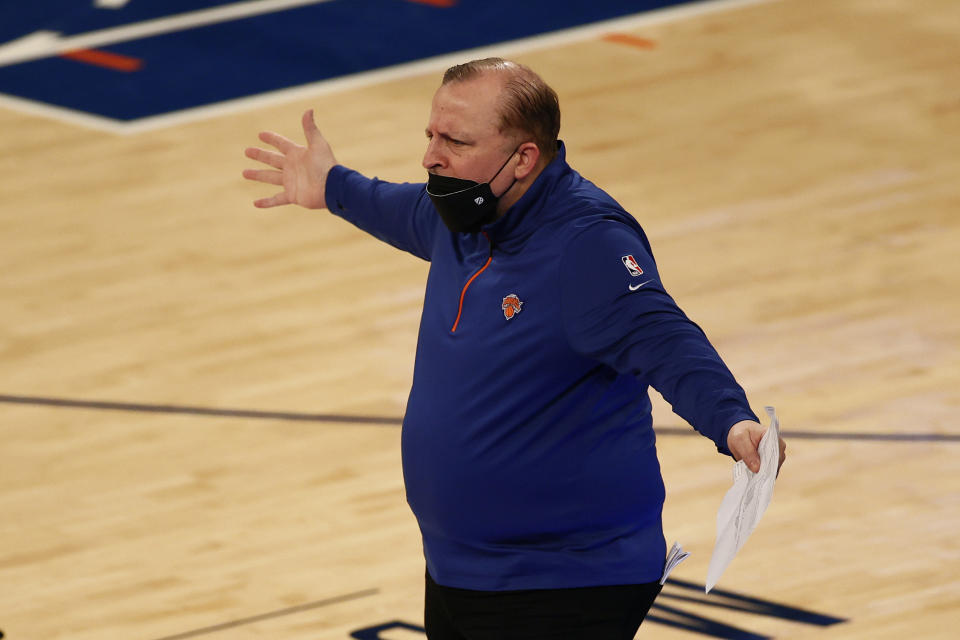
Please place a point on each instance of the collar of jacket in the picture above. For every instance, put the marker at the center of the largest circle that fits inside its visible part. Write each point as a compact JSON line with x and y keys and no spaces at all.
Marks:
{"x":531,"y":211}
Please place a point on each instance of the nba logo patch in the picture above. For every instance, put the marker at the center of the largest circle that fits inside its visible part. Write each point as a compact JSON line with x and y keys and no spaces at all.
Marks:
{"x":631,"y":264}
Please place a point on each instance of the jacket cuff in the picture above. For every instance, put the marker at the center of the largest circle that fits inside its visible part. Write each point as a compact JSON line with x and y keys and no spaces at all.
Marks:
{"x":334,"y":192}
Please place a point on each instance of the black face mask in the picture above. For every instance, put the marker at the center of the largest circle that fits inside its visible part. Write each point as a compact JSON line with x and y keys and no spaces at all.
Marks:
{"x":465,"y":205}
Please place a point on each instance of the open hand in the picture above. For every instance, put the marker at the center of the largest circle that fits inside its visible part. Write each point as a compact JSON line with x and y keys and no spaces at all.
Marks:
{"x":301,"y":171}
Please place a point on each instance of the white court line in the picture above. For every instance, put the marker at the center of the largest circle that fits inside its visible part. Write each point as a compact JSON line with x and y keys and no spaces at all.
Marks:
{"x":367,"y":78}
{"x":43,"y":44}
{"x":69,"y":116}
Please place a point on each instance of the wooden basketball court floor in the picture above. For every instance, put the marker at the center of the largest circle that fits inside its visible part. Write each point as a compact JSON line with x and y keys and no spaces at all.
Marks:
{"x":795,"y":165}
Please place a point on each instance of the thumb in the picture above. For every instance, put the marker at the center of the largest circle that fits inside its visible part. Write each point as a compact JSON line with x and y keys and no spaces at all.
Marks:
{"x":752,"y":459}
{"x":743,"y":442}
{"x":310,"y":130}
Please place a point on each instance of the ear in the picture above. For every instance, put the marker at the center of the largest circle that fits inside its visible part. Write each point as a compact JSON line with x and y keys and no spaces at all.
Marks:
{"x":529,"y":154}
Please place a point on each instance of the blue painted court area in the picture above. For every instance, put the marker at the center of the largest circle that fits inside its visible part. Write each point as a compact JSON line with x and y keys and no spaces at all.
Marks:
{"x":140,"y":64}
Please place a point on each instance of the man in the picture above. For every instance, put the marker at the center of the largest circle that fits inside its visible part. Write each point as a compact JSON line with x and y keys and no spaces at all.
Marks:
{"x":528,"y":449}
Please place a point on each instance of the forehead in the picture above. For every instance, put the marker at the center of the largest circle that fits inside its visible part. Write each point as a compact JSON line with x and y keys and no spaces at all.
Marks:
{"x":468,"y":106}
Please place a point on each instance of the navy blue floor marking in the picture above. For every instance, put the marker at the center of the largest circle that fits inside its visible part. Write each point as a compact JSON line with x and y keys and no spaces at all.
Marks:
{"x":741,"y":602}
{"x":198,"y":411}
{"x":70,"y":17}
{"x":730,"y":600}
{"x":273,"y":614}
{"x":389,"y":420}
{"x":680,"y":619}
{"x":373,"y":633}
{"x":840,"y":435}
{"x":293,"y":47}
{"x":698,"y":624}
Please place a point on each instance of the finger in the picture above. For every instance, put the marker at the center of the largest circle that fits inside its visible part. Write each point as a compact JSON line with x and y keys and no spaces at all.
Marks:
{"x":744,"y":449}
{"x":310,"y":130}
{"x":264,"y":175}
{"x":783,"y":455}
{"x":265,"y":156}
{"x":752,"y":460}
{"x":277,"y":140}
{"x":273,"y":201}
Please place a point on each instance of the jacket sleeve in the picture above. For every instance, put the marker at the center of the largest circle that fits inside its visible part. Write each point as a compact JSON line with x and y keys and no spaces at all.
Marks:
{"x":616,"y":310}
{"x":399,"y":214}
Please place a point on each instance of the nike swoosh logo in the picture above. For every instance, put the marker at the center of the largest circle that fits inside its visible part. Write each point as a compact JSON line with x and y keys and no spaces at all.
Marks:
{"x":634,"y":287}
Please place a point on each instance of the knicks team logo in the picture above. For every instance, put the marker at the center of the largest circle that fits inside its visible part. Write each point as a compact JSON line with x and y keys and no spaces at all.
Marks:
{"x":631,"y":264}
{"x":511,"y":306}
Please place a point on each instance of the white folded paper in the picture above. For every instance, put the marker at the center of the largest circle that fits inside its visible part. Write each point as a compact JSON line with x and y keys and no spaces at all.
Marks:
{"x":745,"y":502}
{"x":675,"y":557}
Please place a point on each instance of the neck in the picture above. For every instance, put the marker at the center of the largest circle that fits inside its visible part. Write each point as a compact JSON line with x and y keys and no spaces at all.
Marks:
{"x":516,"y":192}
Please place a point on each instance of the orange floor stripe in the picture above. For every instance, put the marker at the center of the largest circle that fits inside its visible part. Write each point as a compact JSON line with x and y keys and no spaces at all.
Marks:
{"x":633,"y":41}
{"x":106,"y":59}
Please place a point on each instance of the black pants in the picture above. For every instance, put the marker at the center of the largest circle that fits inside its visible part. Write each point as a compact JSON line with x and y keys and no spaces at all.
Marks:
{"x":589,"y":613}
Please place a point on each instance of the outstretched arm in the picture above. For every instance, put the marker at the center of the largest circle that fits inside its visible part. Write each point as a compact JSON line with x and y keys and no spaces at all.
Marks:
{"x":624,"y":318}
{"x":301,"y":171}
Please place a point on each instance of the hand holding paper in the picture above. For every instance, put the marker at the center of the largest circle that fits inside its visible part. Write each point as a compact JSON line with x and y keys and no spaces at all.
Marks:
{"x":745,"y":502}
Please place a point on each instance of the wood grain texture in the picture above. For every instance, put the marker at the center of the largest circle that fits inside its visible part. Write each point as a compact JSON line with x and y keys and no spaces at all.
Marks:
{"x":795,"y":165}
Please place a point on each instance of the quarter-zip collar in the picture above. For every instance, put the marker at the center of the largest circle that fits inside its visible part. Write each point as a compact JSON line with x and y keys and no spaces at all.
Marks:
{"x":529,"y":213}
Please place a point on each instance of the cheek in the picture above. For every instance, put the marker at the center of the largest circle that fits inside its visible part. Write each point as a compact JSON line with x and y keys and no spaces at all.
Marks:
{"x":471,"y":167}
{"x":459,"y":168}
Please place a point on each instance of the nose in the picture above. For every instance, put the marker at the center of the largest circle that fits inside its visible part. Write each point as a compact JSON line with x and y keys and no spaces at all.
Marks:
{"x":433,"y":159}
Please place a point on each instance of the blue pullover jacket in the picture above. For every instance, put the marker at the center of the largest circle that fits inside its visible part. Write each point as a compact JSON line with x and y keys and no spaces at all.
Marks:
{"x":528,"y":448}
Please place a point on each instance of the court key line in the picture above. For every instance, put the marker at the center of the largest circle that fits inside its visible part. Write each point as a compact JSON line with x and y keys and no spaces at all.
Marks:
{"x":255,"y":414}
{"x":197,"y":411}
{"x":273,"y":614}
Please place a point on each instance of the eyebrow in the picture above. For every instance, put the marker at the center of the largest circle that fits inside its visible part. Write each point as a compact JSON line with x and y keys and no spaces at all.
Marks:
{"x":447,"y":136}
